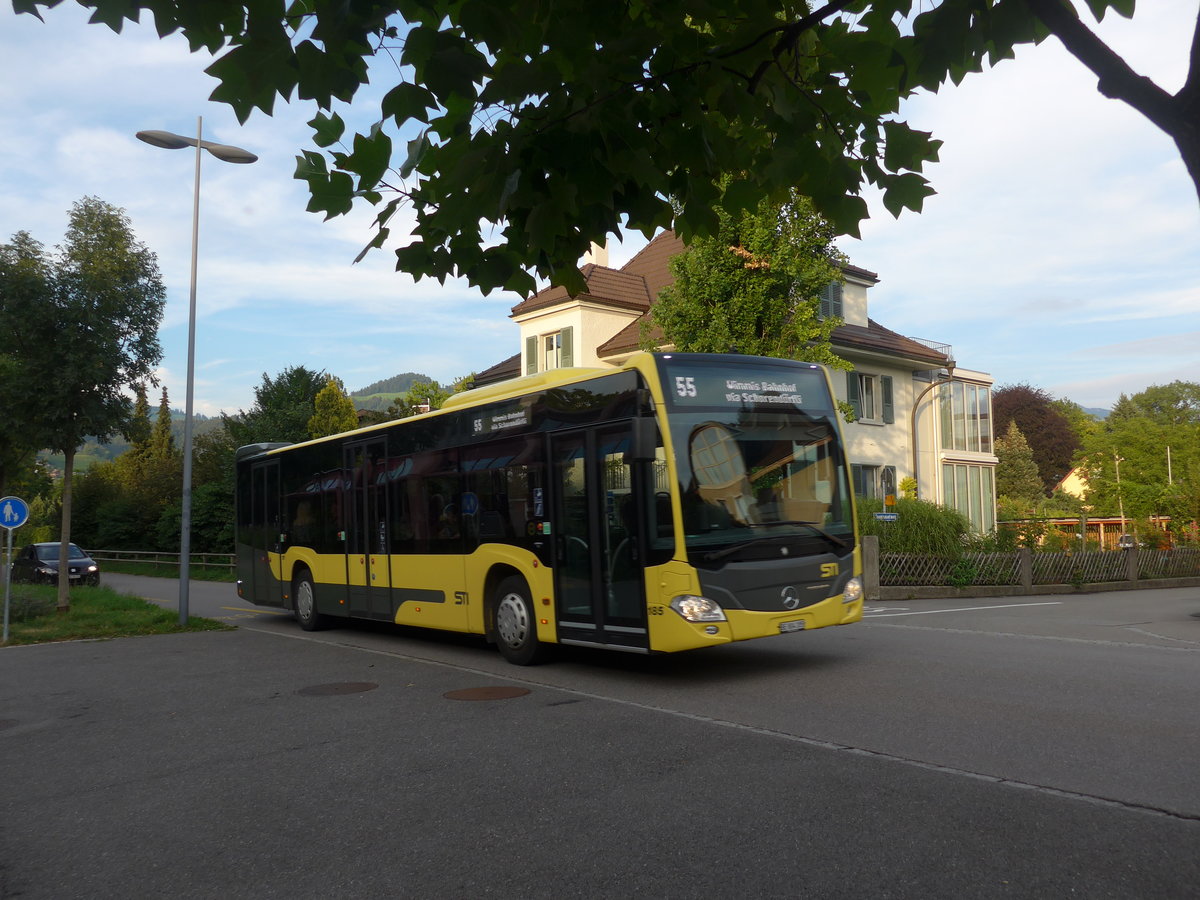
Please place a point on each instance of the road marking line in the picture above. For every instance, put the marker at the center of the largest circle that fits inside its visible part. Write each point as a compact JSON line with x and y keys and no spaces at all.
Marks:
{"x":930,"y":612}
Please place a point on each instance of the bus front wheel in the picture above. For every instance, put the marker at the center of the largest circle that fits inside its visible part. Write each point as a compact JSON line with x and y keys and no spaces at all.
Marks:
{"x":304,"y":601}
{"x":516,"y":626}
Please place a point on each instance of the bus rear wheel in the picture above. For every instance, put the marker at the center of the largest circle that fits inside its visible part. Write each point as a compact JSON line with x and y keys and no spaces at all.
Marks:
{"x":516,"y":626}
{"x":304,"y":601}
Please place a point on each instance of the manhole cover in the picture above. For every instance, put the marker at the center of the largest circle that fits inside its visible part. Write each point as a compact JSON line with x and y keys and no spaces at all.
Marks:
{"x":486,"y":693}
{"x":340,"y":687}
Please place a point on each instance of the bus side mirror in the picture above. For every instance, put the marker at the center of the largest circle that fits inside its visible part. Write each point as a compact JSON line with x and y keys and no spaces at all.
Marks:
{"x":645,"y":440}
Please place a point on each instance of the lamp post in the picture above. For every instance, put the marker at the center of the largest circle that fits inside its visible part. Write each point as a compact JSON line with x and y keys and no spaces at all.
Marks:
{"x":913,"y":420}
{"x":227,"y":153}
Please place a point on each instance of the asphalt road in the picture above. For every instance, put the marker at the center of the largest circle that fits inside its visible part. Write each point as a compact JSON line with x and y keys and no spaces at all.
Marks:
{"x":1039,"y":747}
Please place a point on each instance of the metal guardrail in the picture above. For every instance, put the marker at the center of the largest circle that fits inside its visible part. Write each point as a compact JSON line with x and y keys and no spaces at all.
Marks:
{"x":218,"y":561}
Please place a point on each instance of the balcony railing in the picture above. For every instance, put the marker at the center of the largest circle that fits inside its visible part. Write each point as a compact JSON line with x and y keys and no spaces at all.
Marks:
{"x":945,"y":349}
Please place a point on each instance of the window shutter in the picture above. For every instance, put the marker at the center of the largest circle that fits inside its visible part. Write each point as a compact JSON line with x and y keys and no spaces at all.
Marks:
{"x":853,"y":397}
{"x":565,"y":354}
{"x":831,"y":301}
{"x":889,"y":410}
{"x":531,"y":348}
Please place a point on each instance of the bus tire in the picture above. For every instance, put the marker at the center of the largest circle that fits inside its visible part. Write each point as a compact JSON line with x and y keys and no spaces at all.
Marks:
{"x":304,"y":602}
{"x":516,"y":624}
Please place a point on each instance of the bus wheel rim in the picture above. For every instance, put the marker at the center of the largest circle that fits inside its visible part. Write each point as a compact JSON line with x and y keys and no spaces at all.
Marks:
{"x":512,"y":620}
{"x":304,"y":600}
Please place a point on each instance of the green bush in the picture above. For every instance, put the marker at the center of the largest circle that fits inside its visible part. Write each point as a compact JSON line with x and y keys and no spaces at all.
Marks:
{"x":920,"y":527}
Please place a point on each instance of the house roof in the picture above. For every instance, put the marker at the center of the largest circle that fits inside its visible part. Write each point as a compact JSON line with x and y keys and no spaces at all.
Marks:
{"x":501,"y":371}
{"x":609,"y":287}
{"x":637,"y":284}
{"x":874,"y":338}
{"x":878,"y":339}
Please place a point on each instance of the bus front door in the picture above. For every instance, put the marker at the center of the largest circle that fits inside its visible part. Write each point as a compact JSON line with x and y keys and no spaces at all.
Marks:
{"x":599,"y":583}
{"x":368,"y":574}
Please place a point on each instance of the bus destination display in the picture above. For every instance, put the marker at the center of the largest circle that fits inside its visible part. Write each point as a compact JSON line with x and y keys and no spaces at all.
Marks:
{"x":710,"y":386}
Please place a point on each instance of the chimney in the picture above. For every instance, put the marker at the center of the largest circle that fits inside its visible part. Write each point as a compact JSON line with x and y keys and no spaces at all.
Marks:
{"x":598,"y":254}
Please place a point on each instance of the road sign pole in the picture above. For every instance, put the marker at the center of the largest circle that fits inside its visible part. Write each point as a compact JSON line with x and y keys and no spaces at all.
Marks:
{"x":14,"y":512}
{"x":7,"y":581}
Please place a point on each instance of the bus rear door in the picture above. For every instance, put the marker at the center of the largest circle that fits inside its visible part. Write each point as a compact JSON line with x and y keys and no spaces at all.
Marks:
{"x":368,"y":576}
{"x":265,"y":528}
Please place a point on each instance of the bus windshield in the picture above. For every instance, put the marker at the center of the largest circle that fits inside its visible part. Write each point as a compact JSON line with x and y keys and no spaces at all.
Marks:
{"x":758,"y":456}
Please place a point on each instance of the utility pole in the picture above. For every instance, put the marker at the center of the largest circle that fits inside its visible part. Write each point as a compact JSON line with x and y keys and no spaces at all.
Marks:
{"x":1120,"y":499}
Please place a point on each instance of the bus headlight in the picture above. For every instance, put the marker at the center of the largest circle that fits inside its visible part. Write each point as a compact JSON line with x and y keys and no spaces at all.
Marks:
{"x":853,"y":591}
{"x":698,"y":609}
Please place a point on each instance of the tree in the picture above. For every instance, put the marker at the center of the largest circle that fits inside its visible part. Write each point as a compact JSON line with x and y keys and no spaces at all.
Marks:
{"x":755,"y":287}
{"x":425,"y":395}
{"x":162,"y":438}
{"x":1177,"y":403}
{"x":138,"y":430}
{"x":421,"y":397}
{"x":1082,"y":422}
{"x":519,"y":134}
{"x":94,"y":337}
{"x":283,"y":406}
{"x":1047,"y":430}
{"x":25,"y":285}
{"x":1145,"y":460}
{"x":334,"y":410}
{"x":1017,"y":477}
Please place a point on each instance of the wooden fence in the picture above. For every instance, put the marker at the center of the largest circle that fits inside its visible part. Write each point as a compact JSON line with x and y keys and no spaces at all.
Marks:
{"x":894,"y":576}
{"x":166,"y":561}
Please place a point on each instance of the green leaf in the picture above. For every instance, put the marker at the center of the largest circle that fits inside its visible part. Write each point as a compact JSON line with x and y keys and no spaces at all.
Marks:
{"x":417,"y":148}
{"x":907,"y":191}
{"x":370,"y":158}
{"x":408,"y":101}
{"x":327,"y":129}
{"x":1100,"y":7}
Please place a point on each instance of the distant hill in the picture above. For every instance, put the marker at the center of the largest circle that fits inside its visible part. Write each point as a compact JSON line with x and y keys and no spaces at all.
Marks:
{"x":93,"y":451}
{"x":1097,"y":412}
{"x":392,"y":387}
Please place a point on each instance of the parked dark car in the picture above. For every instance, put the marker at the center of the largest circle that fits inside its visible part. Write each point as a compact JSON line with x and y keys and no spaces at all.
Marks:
{"x":38,"y":563}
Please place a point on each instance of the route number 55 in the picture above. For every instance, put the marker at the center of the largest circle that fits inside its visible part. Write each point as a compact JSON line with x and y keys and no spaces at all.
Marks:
{"x":685,"y":385}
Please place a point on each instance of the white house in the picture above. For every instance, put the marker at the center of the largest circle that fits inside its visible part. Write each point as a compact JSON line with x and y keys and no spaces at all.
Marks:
{"x":918,"y":413}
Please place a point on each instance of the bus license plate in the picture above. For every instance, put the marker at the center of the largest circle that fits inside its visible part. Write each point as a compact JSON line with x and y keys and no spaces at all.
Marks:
{"x":785,"y":627}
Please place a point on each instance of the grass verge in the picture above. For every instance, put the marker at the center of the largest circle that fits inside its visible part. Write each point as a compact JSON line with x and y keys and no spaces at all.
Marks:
{"x":96,"y":613}
{"x":166,"y":570}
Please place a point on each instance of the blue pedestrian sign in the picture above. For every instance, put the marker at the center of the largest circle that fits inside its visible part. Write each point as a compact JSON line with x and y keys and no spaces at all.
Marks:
{"x":14,"y":512}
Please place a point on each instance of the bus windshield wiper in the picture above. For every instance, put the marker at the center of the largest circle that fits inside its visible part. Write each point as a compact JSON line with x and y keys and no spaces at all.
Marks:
{"x":713,"y":555}
{"x":828,"y":535}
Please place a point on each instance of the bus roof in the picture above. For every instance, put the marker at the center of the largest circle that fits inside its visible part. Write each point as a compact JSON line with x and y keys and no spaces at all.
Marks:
{"x":515,"y":387}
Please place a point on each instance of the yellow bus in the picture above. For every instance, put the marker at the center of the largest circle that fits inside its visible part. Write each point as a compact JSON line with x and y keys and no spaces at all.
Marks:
{"x":678,"y":501}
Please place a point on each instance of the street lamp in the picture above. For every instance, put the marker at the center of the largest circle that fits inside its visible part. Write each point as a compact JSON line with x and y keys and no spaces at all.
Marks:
{"x":170,"y":141}
{"x":937,"y":382}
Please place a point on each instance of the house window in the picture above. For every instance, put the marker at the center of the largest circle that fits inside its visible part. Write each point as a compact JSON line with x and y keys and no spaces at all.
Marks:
{"x":966,"y":414}
{"x":876,"y":482}
{"x":831,"y":301}
{"x":972,"y":491}
{"x":549,"y":351}
{"x":871,"y":397}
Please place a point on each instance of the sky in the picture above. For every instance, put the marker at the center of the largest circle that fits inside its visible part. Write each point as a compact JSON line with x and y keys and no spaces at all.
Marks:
{"x":1062,"y":249}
